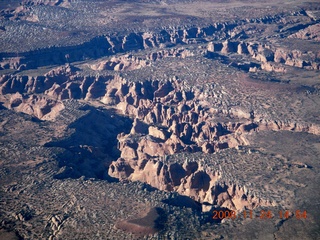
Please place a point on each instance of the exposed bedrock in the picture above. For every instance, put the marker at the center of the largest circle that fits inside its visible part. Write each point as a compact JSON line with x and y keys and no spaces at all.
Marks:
{"x":111,"y":44}
{"x":168,"y":106}
{"x":46,"y":2}
{"x":130,"y":62}
{"x":270,"y":57}
{"x":191,"y":179}
{"x":166,"y":120}
{"x":310,"y":33}
{"x":106,"y":45}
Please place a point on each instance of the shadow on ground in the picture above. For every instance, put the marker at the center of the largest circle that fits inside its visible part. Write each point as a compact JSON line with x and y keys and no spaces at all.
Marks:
{"x":92,"y":146}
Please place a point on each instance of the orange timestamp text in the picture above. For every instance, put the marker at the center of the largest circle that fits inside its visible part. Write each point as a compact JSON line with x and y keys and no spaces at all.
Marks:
{"x":263,"y":214}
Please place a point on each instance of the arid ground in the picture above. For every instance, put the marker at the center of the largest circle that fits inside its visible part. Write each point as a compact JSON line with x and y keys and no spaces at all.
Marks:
{"x":162,"y":119}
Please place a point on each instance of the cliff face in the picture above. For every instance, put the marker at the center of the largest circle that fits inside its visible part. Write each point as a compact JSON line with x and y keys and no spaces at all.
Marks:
{"x":168,"y":116}
{"x":270,"y":58}
{"x":167,"y":120}
{"x":178,"y":109}
{"x":228,"y":32}
{"x":191,"y":179}
{"x":106,"y":45}
{"x":173,"y":110}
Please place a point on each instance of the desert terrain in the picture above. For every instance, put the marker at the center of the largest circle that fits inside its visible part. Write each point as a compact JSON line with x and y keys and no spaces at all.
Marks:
{"x":166,"y":119}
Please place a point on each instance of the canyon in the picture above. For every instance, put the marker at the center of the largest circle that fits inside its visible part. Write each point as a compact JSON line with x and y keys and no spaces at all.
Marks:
{"x":183,"y":119}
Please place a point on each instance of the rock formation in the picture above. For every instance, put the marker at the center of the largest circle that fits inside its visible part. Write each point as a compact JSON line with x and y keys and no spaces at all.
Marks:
{"x":271,"y":58}
{"x":172,"y":109}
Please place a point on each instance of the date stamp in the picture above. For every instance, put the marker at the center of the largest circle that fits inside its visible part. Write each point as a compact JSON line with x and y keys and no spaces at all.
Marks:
{"x":263,"y":214}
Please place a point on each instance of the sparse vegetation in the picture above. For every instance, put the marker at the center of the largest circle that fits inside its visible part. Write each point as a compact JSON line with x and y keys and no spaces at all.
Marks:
{"x":149,"y":115}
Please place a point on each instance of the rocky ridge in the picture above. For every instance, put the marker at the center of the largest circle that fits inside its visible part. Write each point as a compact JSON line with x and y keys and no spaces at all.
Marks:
{"x":166,"y":120}
{"x":180,"y":109}
{"x":109,"y":44}
{"x":269,"y":57}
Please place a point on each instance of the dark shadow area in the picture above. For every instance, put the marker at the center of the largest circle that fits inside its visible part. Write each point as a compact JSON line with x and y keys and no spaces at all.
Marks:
{"x":275,"y":80}
{"x":307,"y":89}
{"x":205,"y":217}
{"x":221,"y":129}
{"x":35,"y":119}
{"x":1,"y":106}
{"x":93,"y":49}
{"x":92,"y":146}
{"x":162,"y":219}
{"x":267,"y":78}
{"x":148,"y":187}
{"x":250,"y":127}
{"x":217,"y":56}
{"x":245,"y":66}
{"x":183,"y":202}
